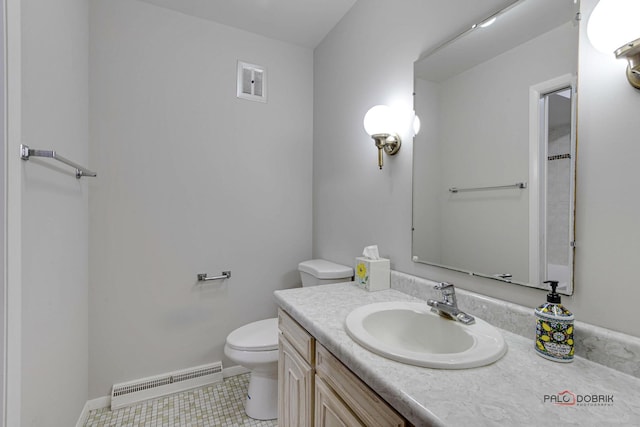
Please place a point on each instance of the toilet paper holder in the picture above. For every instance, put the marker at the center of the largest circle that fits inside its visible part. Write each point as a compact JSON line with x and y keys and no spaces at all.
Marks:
{"x":204,"y":277}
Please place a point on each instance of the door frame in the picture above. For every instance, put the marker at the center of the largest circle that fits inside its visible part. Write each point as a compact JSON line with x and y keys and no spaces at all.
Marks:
{"x":537,"y":173}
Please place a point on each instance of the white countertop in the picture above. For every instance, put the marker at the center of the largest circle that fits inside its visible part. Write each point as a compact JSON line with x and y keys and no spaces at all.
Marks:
{"x":509,"y":392}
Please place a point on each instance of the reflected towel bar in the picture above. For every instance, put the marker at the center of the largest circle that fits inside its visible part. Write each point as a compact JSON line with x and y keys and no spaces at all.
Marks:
{"x":497,"y":187}
{"x":26,"y":152}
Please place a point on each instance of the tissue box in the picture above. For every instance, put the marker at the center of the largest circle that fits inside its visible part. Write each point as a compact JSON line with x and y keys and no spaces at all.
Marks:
{"x":373,"y":274}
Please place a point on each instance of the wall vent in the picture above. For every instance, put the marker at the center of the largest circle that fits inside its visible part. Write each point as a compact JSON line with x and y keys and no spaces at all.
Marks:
{"x":124,"y":394}
{"x":252,"y":82}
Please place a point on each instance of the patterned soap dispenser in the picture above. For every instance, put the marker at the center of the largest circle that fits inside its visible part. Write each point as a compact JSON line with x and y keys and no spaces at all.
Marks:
{"x":554,"y":328}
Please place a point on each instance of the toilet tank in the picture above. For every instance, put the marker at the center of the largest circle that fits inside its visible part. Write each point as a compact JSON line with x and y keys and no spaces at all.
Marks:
{"x":322,"y":272}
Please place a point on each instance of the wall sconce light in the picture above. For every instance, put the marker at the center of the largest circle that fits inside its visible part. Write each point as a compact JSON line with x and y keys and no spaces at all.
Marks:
{"x":381,"y":124}
{"x":613,"y":27}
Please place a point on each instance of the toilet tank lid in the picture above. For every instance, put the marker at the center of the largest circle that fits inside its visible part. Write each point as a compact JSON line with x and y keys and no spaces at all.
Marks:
{"x":256,"y":336}
{"x":323,"y":269}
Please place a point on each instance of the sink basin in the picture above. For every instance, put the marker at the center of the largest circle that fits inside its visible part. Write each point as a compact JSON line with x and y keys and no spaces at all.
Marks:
{"x":409,"y":332}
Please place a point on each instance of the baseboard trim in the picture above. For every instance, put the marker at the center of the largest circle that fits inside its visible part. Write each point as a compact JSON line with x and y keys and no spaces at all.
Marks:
{"x":105,"y":401}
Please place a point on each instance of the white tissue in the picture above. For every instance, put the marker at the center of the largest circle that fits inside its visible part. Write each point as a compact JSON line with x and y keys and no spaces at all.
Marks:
{"x":371,"y":252}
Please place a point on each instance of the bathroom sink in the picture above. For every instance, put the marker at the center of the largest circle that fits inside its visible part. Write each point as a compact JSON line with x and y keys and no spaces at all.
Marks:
{"x":409,"y":332}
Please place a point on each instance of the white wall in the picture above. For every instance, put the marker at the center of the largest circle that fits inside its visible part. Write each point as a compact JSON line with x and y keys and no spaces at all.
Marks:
{"x":427,"y":181}
{"x":54,"y":210}
{"x":607,"y":231}
{"x":13,"y":314}
{"x":3,"y":145}
{"x":191,"y":180}
{"x":367,"y":59}
{"x":359,"y":65}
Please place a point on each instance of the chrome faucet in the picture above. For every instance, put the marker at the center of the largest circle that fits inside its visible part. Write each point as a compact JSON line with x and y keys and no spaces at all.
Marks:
{"x":448,"y":307}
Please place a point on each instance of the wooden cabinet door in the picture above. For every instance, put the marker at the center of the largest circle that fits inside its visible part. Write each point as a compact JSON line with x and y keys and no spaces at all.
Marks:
{"x":370,"y":408}
{"x":330,"y":410}
{"x":295,"y":387}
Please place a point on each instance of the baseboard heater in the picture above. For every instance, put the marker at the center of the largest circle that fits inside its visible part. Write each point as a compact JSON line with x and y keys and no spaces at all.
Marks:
{"x":124,"y":394}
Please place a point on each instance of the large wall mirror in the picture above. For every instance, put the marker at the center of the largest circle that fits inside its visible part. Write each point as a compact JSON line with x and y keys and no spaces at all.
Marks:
{"x":494,"y":164}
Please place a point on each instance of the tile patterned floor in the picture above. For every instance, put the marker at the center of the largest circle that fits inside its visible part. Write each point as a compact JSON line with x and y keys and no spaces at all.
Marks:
{"x":218,"y":405}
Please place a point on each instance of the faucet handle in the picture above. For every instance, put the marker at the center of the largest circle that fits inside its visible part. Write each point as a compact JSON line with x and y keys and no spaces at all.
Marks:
{"x":449,"y":305}
{"x":445,"y":288}
{"x":448,"y":293}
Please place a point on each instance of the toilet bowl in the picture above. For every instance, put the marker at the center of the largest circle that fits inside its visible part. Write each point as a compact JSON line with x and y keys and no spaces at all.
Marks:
{"x":255,"y":345}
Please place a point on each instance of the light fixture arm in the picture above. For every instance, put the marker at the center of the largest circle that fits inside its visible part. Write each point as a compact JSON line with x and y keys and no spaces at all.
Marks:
{"x":390,"y":143}
{"x":631,"y":51}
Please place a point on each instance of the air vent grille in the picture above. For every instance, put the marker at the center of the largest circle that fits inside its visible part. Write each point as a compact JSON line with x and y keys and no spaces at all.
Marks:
{"x":252,"y":82}
{"x":135,"y":391}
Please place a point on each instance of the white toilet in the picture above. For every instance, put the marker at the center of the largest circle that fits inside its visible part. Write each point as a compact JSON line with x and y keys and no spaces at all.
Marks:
{"x":255,"y":346}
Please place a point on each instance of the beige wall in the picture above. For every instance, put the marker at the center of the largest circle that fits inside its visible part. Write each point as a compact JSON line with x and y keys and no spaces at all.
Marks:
{"x":360,"y":64}
{"x":192,"y":180}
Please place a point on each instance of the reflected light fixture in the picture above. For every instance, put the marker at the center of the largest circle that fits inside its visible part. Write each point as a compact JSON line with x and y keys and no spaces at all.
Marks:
{"x":488,"y":22}
{"x":416,"y":124}
{"x":381,"y":124}
{"x":613,"y":28}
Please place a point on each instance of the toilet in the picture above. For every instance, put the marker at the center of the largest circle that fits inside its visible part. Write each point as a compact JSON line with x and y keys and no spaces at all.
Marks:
{"x":255,"y":345}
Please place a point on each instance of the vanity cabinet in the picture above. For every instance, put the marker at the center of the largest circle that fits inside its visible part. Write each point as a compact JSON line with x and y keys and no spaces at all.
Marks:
{"x":316,"y":389}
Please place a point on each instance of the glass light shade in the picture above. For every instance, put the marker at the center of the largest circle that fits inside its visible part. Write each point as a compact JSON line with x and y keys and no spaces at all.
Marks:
{"x":416,"y":124}
{"x":379,"y":120}
{"x":614,"y":23}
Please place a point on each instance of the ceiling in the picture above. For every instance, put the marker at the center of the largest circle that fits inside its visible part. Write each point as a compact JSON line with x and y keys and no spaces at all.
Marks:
{"x":301,"y":22}
{"x":515,"y":24}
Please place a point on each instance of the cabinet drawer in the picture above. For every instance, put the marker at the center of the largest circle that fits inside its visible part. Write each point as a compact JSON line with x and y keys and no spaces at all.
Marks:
{"x":297,"y":336}
{"x":363,"y":401}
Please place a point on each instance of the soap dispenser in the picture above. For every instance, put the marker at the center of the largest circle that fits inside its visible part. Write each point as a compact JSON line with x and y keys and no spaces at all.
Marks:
{"x":554,"y":328}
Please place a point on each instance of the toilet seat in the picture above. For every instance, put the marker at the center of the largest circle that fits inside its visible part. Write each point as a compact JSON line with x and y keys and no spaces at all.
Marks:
{"x":256,"y":336}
